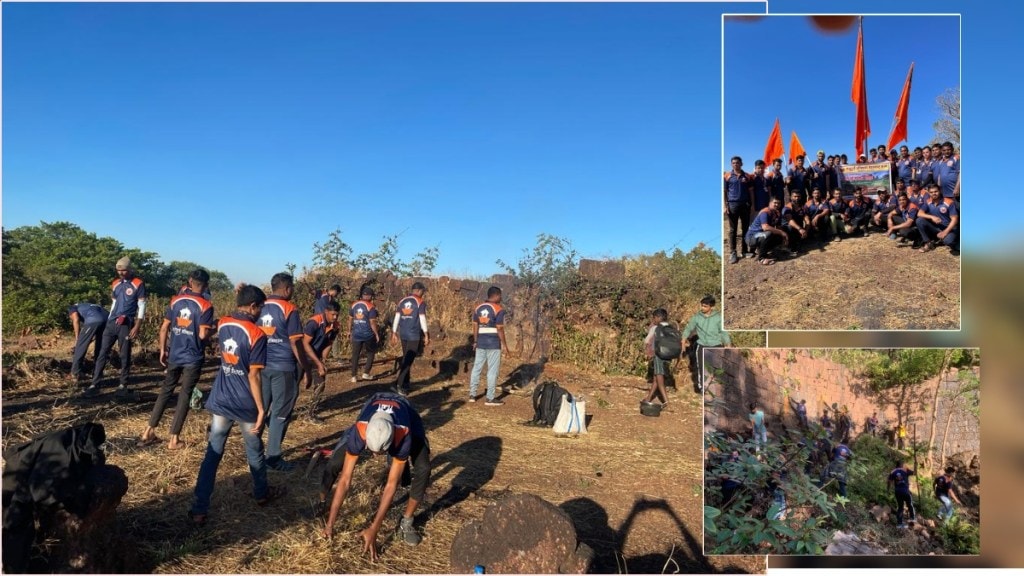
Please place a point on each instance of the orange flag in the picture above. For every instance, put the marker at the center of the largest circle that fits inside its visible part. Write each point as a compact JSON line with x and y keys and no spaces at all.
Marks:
{"x":774,"y":147}
{"x":899,"y":129}
{"x":795,"y":147}
{"x":859,"y":93}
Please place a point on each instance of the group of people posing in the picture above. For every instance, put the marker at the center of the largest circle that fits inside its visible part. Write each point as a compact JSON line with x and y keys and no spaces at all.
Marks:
{"x":264,"y":351}
{"x":770,"y":211}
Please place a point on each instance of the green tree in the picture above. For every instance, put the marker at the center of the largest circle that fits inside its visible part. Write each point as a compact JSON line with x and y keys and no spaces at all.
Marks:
{"x":179,"y":271}
{"x":542,"y":275}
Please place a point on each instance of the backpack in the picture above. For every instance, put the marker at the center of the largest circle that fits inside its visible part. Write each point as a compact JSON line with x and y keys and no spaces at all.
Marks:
{"x":668,"y":342}
{"x":547,"y":401}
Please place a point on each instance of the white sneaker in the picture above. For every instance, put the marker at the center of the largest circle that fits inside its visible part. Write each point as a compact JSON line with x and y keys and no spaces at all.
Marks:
{"x":353,"y":380}
{"x":366,"y":376}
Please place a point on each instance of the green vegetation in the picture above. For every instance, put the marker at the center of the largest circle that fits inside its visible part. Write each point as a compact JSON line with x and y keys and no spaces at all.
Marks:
{"x":48,"y":267}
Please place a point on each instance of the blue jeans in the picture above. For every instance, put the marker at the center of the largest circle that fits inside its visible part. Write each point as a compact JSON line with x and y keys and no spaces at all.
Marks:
{"x":220,"y":426}
{"x":946,"y":512}
{"x":280,"y":390}
{"x":493,"y":359}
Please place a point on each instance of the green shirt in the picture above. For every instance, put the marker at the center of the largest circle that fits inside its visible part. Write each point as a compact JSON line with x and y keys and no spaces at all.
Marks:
{"x":709,"y":329}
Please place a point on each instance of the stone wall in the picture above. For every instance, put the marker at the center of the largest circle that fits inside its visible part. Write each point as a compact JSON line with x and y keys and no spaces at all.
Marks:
{"x":769,"y":376}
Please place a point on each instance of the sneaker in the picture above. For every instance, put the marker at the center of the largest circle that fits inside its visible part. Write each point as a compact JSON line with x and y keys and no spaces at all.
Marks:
{"x":366,"y":376}
{"x":408,"y":533}
{"x":472,"y":398}
{"x":494,"y":402}
{"x":91,"y":392}
{"x":903,"y":526}
{"x":749,"y":255}
{"x":733,"y":258}
{"x":353,"y":380}
{"x":280,"y":465}
{"x":892,"y":236}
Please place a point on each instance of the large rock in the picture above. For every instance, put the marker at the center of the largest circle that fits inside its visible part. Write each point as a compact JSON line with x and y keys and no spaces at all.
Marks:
{"x":520,"y":534}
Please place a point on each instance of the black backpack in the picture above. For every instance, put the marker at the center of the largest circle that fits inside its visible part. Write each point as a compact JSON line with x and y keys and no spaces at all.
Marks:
{"x":547,"y":401}
{"x":668,"y":342}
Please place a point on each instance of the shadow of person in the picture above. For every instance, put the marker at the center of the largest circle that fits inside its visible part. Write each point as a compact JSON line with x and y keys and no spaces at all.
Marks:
{"x":593,"y":529}
{"x":526,"y":373}
{"x":459,"y":360}
{"x":475,"y":460}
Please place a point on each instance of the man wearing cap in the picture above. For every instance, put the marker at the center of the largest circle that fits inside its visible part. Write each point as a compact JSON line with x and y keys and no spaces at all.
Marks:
{"x":88,"y":321}
{"x":123,"y":324}
{"x":362,"y":326}
{"x":388,"y":424}
{"x":188,"y":320}
{"x":488,"y":342}
{"x":279,"y":320}
{"x":410,"y":324}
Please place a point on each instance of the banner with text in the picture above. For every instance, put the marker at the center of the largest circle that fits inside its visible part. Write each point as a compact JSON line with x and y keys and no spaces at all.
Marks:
{"x":868,"y":177}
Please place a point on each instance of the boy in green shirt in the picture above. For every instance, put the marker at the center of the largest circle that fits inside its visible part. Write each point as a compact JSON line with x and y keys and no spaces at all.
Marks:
{"x":708,"y":324}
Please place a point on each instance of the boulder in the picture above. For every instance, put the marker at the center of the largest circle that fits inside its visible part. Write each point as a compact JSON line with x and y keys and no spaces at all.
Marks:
{"x":520,"y":534}
{"x":878,"y":512}
{"x":844,"y":544}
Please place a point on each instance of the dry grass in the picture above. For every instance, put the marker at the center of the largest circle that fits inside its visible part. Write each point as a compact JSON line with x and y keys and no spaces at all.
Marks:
{"x":632,"y":485}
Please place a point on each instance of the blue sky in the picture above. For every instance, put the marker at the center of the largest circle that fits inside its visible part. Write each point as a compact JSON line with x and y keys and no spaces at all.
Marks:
{"x":806,"y":82}
{"x":237,"y":135}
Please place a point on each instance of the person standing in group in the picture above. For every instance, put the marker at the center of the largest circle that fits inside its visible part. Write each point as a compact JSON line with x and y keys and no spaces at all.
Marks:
{"x":488,"y":343}
{"x":88,"y":321}
{"x":317,"y":336}
{"x":410,"y":324}
{"x":708,"y":324}
{"x":123,"y":325}
{"x":279,"y":320}
{"x":899,"y":478}
{"x":362,"y":328}
{"x":192,"y":319}
{"x":739,"y":199}
{"x":237,"y":396}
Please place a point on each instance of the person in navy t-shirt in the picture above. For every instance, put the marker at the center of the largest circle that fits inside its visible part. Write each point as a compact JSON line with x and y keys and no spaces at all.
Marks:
{"x":899,"y":478}
{"x":188,"y":320}
{"x":858,"y":213}
{"x":902,"y":221}
{"x":765,"y":232}
{"x":362,"y":327}
{"x":799,"y":179}
{"x":938,"y":220}
{"x":817,"y":214}
{"x":88,"y":321}
{"x":739,"y":199}
{"x":794,"y":221}
{"x":882,"y":208}
{"x":330,"y":296}
{"x":280,"y":322}
{"x":905,"y":165}
{"x":237,"y":396}
{"x":488,"y":342}
{"x":947,"y":171}
{"x":317,"y":336}
{"x":123,"y":325}
{"x":761,"y":184}
{"x":387,"y":424}
{"x":777,"y":182}
{"x":410,"y":325}
{"x":837,"y":216}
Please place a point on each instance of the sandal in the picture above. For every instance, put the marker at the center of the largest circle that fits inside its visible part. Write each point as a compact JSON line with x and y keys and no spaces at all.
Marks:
{"x":273,"y":493}
{"x":928,"y":247}
{"x":145,"y":443}
{"x":766,"y":261}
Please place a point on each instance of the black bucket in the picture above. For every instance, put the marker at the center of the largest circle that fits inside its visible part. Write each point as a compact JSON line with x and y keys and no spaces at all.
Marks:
{"x":650,"y":408}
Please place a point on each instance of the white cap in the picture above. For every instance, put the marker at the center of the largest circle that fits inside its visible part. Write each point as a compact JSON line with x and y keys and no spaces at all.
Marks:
{"x":379,"y":431}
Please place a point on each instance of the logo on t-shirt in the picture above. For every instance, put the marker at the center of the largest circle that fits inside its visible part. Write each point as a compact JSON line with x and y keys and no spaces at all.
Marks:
{"x":359,"y":314}
{"x":229,"y":351}
{"x":184,"y":317}
{"x":129,"y":292}
{"x":267,"y":324}
{"x":407,"y":309}
{"x":485,"y":316}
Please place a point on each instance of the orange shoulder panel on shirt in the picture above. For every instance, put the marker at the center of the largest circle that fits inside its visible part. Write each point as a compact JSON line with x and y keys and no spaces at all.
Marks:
{"x":948,"y":201}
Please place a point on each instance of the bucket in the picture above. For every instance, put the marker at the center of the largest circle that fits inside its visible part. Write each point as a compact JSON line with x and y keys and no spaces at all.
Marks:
{"x":650,"y":408}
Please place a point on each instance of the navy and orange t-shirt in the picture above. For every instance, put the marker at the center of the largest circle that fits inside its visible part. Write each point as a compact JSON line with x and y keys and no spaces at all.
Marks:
{"x":793,"y":211}
{"x":279,"y":320}
{"x":737,"y":187}
{"x":765,"y":216}
{"x":321,"y":332}
{"x":900,"y":478}
{"x":488,"y":316}
{"x":407,"y":425}
{"x":361,"y":312}
{"x":186,"y":313}
{"x":126,"y":293}
{"x":243,"y":345}
{"x":409,"y":310}
{"x":945,"y":210}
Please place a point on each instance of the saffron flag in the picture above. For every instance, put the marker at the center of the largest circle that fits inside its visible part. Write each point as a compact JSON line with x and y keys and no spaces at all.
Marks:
{"x":795,"y":147}
{"x":899,"y":129}
{"x":774,"y":148}
{"x":859,"y":93}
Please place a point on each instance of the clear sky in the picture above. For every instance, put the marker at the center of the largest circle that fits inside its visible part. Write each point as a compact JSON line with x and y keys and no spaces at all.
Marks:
{"x":784,"y":67}
{"x":236,"y":135}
